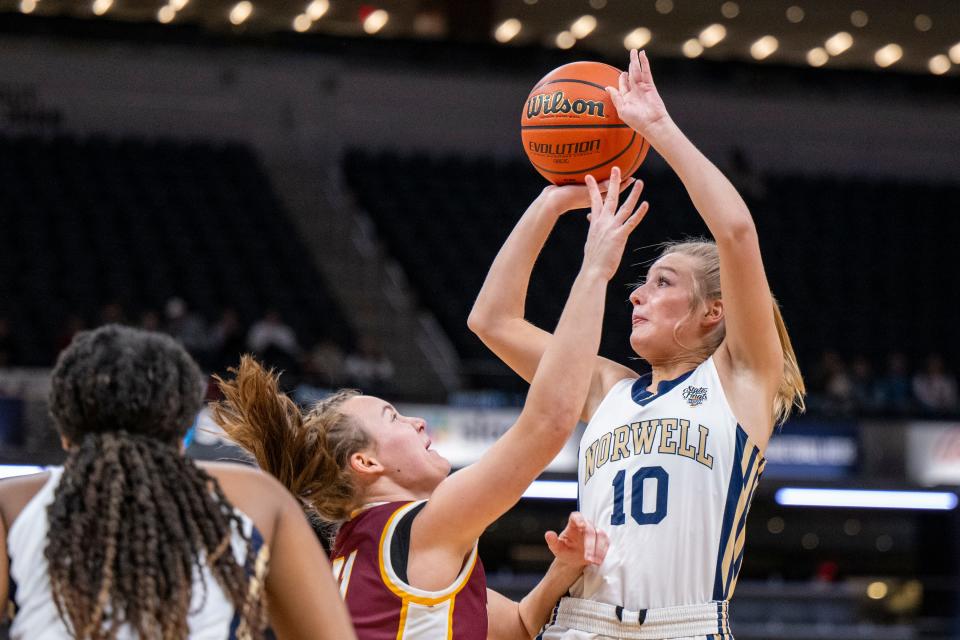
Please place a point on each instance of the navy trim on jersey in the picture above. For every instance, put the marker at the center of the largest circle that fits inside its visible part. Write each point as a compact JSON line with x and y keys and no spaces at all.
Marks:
{"x":730,"y":510}
{"x":643,"y":397}
{"x":256,"y":542}
{"x":11,"y":595}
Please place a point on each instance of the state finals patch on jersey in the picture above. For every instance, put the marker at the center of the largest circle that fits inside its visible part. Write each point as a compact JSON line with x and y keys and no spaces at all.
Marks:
{"x":695,"y":396}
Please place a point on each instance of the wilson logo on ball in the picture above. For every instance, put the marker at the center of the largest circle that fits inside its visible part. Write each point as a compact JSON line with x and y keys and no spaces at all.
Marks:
{"x":548,"y":104}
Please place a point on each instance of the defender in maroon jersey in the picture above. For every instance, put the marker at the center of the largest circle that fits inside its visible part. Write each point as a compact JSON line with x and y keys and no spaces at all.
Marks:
{"x":406,"y":554}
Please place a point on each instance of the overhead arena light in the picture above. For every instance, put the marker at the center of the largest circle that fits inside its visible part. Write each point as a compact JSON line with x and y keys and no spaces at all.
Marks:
{"x":955,"y":53}
{"x":178,"y":5}
{"x":583,"y":26}
{"x":302,"y":23}
{"x":795,"y":14}
{"x":552,"y":490}
{"x":764,"y":47}
{"x":888,"y":55}
{"x":638,"y":38}
{"x":241,"y":12}
{"x":375,"y":21}
{"x":166,"y":14}
{"x":923,"y":22}
{"x":866,"y":499}
{"x":27,"y":6}
{"x":507,"y":30}
{"x":692,"y":48}
{"x":565,"y":40}
{"x":317,"y":9}
{"x":838,"y":43}
{"x":713,"y":35}
{"x":730,"y":10}
{"x":817,"y":57}
{"x":100,"y":7}
{"x":939,"y":65}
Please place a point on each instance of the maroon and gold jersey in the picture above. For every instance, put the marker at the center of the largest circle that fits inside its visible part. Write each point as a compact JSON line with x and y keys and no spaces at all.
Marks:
{"x":370,"y":563}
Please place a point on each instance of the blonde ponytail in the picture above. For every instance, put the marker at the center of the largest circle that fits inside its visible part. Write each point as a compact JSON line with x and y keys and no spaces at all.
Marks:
{"x":792,"y":388}
{"x":307,"y":452}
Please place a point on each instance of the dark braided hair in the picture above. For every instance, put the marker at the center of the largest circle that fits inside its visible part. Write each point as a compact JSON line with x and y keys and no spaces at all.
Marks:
{"x":133,"y":521}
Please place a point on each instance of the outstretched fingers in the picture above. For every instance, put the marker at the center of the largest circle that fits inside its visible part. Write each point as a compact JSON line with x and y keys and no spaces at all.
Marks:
{"x":643,"y":65}
{"x":630,"y":203}
{"x":613,"y":193}
{"x":636,"y":218}
{"x":596,"y":196}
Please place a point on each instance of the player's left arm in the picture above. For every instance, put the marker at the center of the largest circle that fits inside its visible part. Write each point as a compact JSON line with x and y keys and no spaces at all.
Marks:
{"x":578,"y":545}
{"x":752,"y":341}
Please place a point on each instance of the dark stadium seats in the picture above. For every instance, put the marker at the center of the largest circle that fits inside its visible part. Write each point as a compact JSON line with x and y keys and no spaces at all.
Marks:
{"x":835,"y":251}
{"x":87,"y":222}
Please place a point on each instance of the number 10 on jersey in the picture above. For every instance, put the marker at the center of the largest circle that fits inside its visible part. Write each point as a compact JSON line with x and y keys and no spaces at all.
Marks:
{"x":655,"y":474}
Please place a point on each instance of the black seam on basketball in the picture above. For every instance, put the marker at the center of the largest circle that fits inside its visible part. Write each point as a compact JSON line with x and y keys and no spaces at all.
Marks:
{"x":567,"y":173}
{"x":640,"y":155}
{"x":574,"y":80}
{"x":524,"y":127}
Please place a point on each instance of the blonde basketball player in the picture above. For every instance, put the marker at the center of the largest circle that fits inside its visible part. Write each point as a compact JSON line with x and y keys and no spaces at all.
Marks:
{"x":669,"y":460}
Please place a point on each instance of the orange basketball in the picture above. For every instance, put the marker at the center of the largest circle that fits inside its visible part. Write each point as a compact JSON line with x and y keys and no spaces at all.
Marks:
{"x":570,"y":127}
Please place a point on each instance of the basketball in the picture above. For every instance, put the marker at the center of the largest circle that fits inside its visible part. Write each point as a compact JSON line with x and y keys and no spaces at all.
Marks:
{"x":570,"y":128}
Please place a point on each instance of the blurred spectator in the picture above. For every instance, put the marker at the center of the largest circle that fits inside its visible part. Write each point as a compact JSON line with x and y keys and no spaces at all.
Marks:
{"x":369,"y":369}
{"x":227,"y":341}
{"x":73,"y":325}
{"x":833,"y":384}
{"x":863,"y":391}
{"x":113,"y":313}
{"x":150,"y":321}
{"x":324,"y":365}
{"x":272,"y":333}
{"x":9,"y":349}
{"x":893,"y":389}
{"x":934,"y":388}
{"x":185,"y":326}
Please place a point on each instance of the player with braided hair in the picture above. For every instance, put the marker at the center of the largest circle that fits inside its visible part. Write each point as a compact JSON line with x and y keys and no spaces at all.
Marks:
{"x":130,"y":538}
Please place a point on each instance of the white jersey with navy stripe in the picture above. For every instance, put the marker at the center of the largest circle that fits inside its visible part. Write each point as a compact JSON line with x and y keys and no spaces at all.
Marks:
{"x":669,"y":476}
{"x":36,"y":618}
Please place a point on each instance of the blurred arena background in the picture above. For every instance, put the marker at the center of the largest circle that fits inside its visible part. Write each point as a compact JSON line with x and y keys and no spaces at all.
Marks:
{"x":326,"y":183}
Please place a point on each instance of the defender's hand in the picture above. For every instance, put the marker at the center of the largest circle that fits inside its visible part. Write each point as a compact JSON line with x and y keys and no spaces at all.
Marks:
{"x":579,"y":544}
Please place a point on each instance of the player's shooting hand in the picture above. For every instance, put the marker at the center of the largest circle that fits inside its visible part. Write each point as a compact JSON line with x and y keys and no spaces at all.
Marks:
{"x":568,"y":197}
{"x":636,"y":98}
{"x":579,"y":544}
{"x":610,"y":227}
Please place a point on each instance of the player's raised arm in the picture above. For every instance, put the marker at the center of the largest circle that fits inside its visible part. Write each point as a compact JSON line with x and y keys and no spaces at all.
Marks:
{"x":497,"y":317}
{"x":464,"y":504}
{"x":752,"y":345}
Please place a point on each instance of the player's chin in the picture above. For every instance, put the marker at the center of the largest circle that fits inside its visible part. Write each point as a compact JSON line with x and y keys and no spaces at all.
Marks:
{"x":640,"y":339}
{"x":440,"y":462}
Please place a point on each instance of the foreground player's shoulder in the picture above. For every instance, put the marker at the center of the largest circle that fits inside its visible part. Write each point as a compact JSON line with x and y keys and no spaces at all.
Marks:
{"x":254,"y":492}
{"x":16,"y":492}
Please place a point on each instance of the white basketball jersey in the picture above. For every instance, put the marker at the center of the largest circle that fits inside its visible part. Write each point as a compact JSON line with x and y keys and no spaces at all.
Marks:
{"x":669,"y":476}
{"x":36,"y":617}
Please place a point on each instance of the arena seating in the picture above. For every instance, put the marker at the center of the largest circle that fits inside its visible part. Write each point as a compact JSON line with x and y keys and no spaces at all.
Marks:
{"x":444,"y":219}
{"x":87,"y":222}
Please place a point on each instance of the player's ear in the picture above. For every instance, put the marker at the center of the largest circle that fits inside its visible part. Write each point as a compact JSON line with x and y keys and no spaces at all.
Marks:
{"x":365,"y":465}
{"x":713,"y":314}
